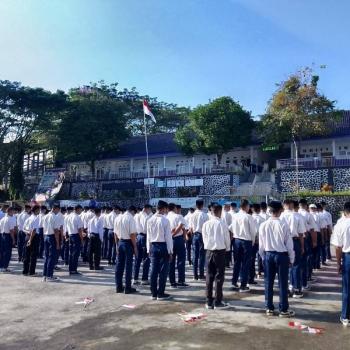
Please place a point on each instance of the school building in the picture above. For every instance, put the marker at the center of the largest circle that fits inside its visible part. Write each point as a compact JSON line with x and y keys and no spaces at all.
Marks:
{"x":251,"y":171}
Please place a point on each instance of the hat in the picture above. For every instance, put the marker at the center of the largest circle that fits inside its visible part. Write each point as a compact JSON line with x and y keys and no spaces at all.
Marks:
{"x":312,"y":206}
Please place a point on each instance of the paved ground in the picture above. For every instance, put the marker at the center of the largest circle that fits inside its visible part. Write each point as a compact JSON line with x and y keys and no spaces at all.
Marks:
{"x":37,"y":315}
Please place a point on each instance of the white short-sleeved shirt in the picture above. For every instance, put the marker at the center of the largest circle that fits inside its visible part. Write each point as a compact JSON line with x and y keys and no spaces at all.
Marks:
{"x":125,"y":226}
{"x":328,"y":218}
{"x":226,"y":216}
{"x":31,"y":224}
{"x":50,"y":223}
{"x":60,"y":219}
{"x":216,"y":235}
{"x":295,"y":222}
{"x":158,"y":230}
{"x":74,"y":223}
{"x":110,"y":220}
{"x":243,"y":226}
{"x":95,"y":226}
{"x":310,"y":223}
{"x":198,"y":218}
{"x":175,"y":220}
{"x":21,"y":218}
{"x":141,"y":221}
{"x":7,"y":223}
{"x":187,"y":219}
{"x":275,"y":236}
{"x":341,"y":235}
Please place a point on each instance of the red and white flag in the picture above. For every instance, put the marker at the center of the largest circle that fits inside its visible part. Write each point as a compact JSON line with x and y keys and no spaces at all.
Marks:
{"x":147,"y":110}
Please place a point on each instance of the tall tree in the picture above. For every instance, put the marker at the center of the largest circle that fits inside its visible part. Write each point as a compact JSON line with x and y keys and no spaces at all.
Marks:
{"x":92,"y":125}
{"x":169,"y":116}
{"x":298,"y":110}
{"x":25,"y":113}
{"x":216,"y":127}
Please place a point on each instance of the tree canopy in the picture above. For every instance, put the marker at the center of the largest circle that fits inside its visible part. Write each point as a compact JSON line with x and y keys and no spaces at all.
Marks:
{"x":216,"y":127}
{"x":297,"y":110}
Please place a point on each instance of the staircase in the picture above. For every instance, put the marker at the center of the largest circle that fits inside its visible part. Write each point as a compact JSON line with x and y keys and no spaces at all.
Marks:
{"x":258,"y":185}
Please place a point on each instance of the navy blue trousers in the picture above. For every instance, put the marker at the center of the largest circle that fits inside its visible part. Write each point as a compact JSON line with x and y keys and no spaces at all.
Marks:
{"x":276,"y":263}
{"x":111,"y":253}
{"x":242,"y":256}
{"x":345,"y":311}
{"x":6,"y":250}
{"x":50,"y":250}
{"x":74,"y":252}
{"x":179,"y":259}
{"x":124,"y":263}
{"x":21,"y":237}
{"x":142,"y":257}
{"x":159,"y":267}
{"x":198,"y":255}
{"x":295,"y":271}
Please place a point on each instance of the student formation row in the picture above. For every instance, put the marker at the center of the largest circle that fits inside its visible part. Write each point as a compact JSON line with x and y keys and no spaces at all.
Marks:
{"x":290,"y":240}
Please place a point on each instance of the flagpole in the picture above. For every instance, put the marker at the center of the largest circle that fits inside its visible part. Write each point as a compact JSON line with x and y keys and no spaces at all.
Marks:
{"x":147,"y":158}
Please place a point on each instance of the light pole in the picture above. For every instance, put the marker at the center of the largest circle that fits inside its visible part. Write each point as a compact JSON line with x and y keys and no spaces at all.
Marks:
{"x":296,"y":162}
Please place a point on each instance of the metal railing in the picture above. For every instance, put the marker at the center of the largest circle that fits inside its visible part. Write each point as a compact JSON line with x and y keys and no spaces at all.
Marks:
{"x":313,"y":163}
{"x":154,"y":172}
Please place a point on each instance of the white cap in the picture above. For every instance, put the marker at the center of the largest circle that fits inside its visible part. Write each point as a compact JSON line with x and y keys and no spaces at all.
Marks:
{"x":312,"y":206}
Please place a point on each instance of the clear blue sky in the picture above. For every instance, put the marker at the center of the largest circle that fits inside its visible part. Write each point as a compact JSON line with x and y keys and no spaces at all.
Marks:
{"x":182,"y":51}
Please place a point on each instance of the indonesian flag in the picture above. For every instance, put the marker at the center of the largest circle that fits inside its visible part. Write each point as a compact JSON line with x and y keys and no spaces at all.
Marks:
{"x":147,"y":110}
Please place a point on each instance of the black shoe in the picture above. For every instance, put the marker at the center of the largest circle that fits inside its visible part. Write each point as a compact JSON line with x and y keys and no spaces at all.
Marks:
{"x":91,"y":268}
{"x":173,"y":286}
{"x":202,"y":278}
{"x":234,"y":286}
{"x":100,"y":268}
{"x":164,"y":297}
{"x":131,"y":291}
{"x":120,"y":290}
{"x":209,"y":306}
{"x":253,"y":282}
{"x":244,"y":289}
{"x":182,"y":285}
{"x":221,"y":305}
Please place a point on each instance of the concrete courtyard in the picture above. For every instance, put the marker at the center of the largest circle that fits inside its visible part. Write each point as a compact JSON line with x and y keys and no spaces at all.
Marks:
{"x":37,"y":315}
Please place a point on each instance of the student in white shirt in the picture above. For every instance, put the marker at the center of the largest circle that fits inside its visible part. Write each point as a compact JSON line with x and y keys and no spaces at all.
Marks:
{"x":189,"y":236}
{"x":142,"y":256}
{"x":217,"y":241}
{"x":65,"y":244}
{"x":227,"y":218}
{"x":86,"y":216}
{"x":21,"y":236}
{"x":51,"y":226}
{"x":324,"y":233}
{"x":95,"y":234}
{"x":310,"y":241}
{"x":328,"y":217}
{"x":125,"y":232}
{"x":341,"y":240}
{"x":297,"y":228}
{"x":276,"y":249}
{"x":198,"y":218}
{"x":31,"y":228}
{"x":316,"y":249}
{"x":110,"y":222}
{"x":177,"y":227}
{"x":160,"y":249}
{"x":7,"y":232}
{"x":75,"y":228}
{"x":263,"y":212}
{"x":258,"y":219}
{"x":244,"y":232}
{"x":105,"y":232}
{"x":43,"y":212}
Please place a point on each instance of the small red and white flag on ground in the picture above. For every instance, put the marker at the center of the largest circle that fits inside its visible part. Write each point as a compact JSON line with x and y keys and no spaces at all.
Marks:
{"x":147,"y":110}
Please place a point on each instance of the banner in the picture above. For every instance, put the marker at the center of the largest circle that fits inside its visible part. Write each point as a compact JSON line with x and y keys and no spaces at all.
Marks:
{"x":50,"y":185}
{"x":185,"y":202}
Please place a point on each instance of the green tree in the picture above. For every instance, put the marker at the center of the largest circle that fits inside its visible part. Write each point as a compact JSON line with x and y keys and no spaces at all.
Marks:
{"x":297,"y":110}
{"x":92,"y":125}
{"x":25,"y":114}
{"x":216,"y":128}
{"x":169,"y":116}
